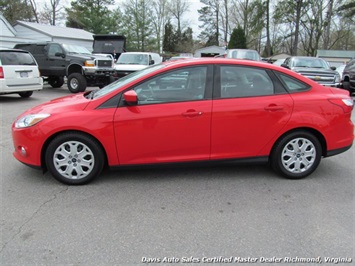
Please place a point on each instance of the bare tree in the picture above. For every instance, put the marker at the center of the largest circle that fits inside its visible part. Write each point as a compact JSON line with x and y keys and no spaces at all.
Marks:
{"x":160,"y":17}
{"x":178,"y":8}
{"x":297,"y":28}
{"x":33,"y":5}
{"x":327,"y":24}
{"x":52,"y":11}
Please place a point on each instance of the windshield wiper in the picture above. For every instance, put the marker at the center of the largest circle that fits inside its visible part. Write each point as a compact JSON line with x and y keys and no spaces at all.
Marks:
{"x":91,"y":94}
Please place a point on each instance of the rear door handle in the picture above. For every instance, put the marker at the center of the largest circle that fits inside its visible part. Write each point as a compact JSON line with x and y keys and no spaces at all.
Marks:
{"x":274,"y":107}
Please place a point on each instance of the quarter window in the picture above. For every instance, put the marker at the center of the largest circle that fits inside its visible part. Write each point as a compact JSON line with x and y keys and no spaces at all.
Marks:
{"x":186,"y":84}
{"x":245,"y":82}
{"x":292,"y":84}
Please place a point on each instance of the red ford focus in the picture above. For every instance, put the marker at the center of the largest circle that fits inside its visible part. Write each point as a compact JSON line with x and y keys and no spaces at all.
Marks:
{"x":197,"y":110}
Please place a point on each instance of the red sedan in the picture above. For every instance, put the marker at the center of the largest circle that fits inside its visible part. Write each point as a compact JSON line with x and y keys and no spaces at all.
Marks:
{"x":197,"y":110}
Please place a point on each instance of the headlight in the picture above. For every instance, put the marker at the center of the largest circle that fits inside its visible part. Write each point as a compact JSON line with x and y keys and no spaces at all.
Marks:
{"x":337,"y":78}
{"x":30,"y":120}
{"x":90,"y":63}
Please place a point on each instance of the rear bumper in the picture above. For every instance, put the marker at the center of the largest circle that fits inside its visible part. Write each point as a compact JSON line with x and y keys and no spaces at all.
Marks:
{"x":4,"y":88}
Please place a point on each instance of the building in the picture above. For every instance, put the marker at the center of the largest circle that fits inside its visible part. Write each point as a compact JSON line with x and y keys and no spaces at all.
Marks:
{"x":8,"y":35}
{"x":336,"y":57}
{"x":24,"y":32}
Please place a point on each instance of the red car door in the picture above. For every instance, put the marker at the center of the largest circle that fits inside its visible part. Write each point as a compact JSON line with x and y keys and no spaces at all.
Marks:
{"x":170,"y":123}
{"x":248,"y":113}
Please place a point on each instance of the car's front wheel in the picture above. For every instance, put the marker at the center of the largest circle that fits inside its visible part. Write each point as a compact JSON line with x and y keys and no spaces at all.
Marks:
{"x":76,"y":83}
{"x":74,"y":158}
{"x":296,"y":155}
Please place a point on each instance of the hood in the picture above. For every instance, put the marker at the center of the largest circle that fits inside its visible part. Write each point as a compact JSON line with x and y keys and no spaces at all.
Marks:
{"x":129,"y":67}
{"x":313,"y":70}
{"x":66,"y":104}
{"x":87,"y":56}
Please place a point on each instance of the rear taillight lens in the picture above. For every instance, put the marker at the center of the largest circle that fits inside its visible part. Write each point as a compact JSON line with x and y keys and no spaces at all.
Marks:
{"x":347,"y":104}
{"x":2,"y":73}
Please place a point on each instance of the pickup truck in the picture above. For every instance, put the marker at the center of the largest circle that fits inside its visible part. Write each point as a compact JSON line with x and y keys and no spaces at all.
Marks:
{"x":78,"y":64}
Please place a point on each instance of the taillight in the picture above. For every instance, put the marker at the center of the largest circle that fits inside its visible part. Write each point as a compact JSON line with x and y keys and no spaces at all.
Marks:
{"x":2,"y":73}
{"x":347,"y":104}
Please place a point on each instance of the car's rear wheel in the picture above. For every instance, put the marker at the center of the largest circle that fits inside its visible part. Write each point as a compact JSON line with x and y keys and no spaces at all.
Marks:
{"x":56,"y":81}
{"x":296,"y":155}
{"x":25,"y":94}
{"x":74,"y":158}
{"x":76,"y":83}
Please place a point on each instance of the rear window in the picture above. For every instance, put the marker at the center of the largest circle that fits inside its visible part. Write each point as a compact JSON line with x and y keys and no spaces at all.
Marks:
{"x":13,"y":58}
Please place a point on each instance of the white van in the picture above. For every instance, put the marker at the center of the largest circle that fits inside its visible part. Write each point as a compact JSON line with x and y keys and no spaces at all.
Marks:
{"x":19,"y":73}
{"x":132,"y":61}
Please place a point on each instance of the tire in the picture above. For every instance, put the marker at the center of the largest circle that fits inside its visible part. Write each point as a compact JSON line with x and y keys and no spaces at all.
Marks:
{"x":56,"y":81}
{"x":346,"y":86}
{"x":25,"y":94}
{"x":74,"y":158}
{"x":296,"y":155}
{"x":76,"y":83}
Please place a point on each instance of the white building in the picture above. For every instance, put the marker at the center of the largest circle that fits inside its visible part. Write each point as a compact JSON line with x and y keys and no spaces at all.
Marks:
{"x":24,"y":32}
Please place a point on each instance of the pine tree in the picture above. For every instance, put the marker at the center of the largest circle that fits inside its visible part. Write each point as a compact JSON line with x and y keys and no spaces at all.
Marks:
{"x":238,"y":39}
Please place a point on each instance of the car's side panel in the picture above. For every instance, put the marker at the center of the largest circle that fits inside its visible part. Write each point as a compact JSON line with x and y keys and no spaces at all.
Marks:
{"x":159,"y":133}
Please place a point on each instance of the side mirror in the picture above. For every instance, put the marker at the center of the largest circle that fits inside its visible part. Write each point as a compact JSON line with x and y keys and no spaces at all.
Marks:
{"x":333,"y":68}
{"x":60,"y":54}
{"x":151,"y":62}
{"x":285,"y":66}
{"x":130,"y":97}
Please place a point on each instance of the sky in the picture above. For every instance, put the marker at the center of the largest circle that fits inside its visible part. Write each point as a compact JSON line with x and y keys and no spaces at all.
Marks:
{"x":191,"y":17}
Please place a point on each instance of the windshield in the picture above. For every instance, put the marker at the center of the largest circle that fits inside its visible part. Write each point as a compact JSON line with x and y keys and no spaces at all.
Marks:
{"x":75,"y":49}
{"x":242,"y":54}
{"x":127,"y":79}
{"x":133,"y":59}
{"x":310,"y":62}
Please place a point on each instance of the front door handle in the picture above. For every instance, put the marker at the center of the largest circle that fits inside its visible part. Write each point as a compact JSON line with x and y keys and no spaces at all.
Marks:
{"x":191,"y":113}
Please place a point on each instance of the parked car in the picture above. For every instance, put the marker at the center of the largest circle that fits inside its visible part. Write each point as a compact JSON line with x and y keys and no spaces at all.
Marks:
{"x":57,"y":60}
{"x":279,"y":62}
{"x":340,"y":69}
{"x":314,"y":68}
{"x":179,"y":57}
{"x":132,"y":61}
{"x":198,"y":110}
{"x":19,"y":73}
{"x":348,"y":78}
{"x":243,"y":54}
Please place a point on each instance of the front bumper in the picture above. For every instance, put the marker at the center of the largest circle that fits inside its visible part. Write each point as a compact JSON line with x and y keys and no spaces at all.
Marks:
{"x":95,"y":71}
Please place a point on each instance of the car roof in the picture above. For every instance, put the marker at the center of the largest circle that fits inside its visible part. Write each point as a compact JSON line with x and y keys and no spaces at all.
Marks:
{"x":138,"y":53}
{"x":5,"y":49}
{"x":302,"y":56}
{"x":220,"y":60}
{"x":239,"y":49}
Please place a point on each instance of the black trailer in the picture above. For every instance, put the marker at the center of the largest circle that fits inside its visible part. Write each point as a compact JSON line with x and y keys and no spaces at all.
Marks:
{"x":109,"y":44}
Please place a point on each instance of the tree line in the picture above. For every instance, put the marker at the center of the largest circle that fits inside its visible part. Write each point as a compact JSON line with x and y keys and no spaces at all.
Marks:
{"x":296,"y":27}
